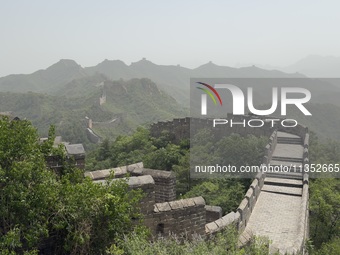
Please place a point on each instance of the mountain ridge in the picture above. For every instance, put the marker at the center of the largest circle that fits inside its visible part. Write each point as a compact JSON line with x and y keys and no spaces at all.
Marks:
{"x":316,"y":66}
{"x":132,"y":103}
{"x":172,"y":79}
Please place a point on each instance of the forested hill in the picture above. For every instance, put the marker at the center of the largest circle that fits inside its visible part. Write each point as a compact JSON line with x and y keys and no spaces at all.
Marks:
{"x":72,"y":92}
{"x":127,"y":105}
{"x":47,"y":80}
{"x":173,"y":79}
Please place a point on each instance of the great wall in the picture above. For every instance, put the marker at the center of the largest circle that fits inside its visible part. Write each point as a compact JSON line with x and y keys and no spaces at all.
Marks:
{"x":275,"y":205}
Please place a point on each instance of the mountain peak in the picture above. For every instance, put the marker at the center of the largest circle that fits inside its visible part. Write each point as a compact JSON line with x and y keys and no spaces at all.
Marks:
{"x":108,"y":62}
{"x":210,"y":63}
{"x":64,"y":63}
{"x":251,"y":67}
{"x":143,"y":61}
{"x":67,"y":62}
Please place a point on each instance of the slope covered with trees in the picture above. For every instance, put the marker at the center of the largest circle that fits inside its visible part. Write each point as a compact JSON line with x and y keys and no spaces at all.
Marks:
{"x":162,"y":153}
{"x":128,"y":104}
{"x":42,"y":211}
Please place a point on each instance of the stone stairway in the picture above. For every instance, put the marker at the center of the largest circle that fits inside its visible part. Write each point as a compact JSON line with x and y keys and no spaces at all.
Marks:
{"x":277,"y":211}
{"x":289,"y":154}
{"x":288,"y":138}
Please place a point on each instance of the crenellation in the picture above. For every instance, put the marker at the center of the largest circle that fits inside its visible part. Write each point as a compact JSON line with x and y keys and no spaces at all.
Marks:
{"x":260,"y":178}
{"x":189,"y":214}
{"x":256,"y":189}
{"x":305,"y":152}
{"x":214,"y":227}
{"x":164,"y":214}
{"x":213,"y":213}
{"x":305,"y":179}
{"x":250,"y":197}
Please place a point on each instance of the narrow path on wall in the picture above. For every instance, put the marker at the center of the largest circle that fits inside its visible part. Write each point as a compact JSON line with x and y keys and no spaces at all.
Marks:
{"x":277,"y":211}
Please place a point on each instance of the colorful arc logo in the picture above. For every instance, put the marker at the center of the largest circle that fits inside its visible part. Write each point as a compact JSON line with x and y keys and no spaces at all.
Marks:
{"x":209,"y":90}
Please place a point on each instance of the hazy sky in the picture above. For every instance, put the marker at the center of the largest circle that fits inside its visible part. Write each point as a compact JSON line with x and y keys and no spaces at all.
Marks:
{"x":35,"y":34}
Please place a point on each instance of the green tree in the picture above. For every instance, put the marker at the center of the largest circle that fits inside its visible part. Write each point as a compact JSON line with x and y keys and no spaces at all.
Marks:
{"x":329,"y":248}
{"x":27,"y":187}
{"x":40,"y":210}
{"x":91,"y":217}
{"x":239,"y":151}
{"x":163,"y":158}
{"x":104,"y":150}
{"x":182,"y":170}
{"x":325,"y":210}
{"x":226,"y":193}
{"x":324,"y":202}
{"x":131,"y":149}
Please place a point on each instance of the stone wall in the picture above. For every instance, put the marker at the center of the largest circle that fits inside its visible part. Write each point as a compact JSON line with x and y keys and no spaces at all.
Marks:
{"x":191,"y":215}
{"x":299,"y":130}
{"x":56,"y":162}
{"x":92,"y":136}
{"x":181,"y":217}
{"x":248,"y":203}
{"x":229,"y":219}
{"x":119,"y":172}
{"x":180,"y":128}
{"x":75,"y":155}
{"x":303,"y":227}
{"x":270,"y":147}
{"x":306,"y":148}
{"x":239,"y":218}
{"x":147,"y":185}
{"x":213,"y":212}
{"x":165,"y":181}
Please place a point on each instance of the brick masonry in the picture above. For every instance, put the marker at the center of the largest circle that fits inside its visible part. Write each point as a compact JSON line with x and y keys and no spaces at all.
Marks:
{"x":213,"y":213}
{"x":164,"y":214}
{"x":164,"y":181}
{"x":185,"y":217}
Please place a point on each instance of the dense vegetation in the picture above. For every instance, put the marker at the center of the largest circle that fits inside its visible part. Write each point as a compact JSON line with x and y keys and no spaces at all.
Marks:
{"x":67,"y":214}
{"x":128,"y":104}
{"x":162,"y":153}
{"x":65,"y":93}
{"x":224,"y":243}
{"x":324,"y":201}
{"x":63,"y":213}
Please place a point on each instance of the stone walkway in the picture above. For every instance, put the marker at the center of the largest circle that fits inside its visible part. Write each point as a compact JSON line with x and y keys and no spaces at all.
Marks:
{"x":288,"y":151}
{"x":276,"y":216}
{"x":277,"y":210}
